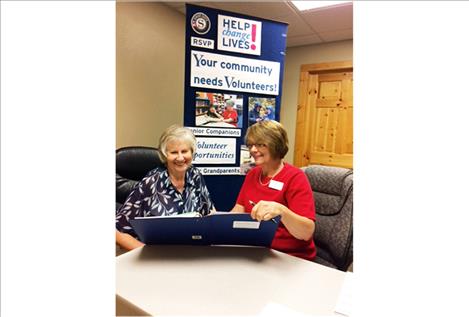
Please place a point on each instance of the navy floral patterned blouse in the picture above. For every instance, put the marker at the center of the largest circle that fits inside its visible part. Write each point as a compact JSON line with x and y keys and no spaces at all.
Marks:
{"x":155,"y":195}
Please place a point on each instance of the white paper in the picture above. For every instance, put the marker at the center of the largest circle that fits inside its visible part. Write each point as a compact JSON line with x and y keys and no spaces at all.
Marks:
{"x":344,"y":302}
{"x":192,"y":214}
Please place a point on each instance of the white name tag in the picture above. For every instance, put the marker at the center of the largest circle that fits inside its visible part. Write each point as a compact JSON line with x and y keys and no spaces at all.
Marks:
{"x":275,"y":185}
{"x":246,"y":224}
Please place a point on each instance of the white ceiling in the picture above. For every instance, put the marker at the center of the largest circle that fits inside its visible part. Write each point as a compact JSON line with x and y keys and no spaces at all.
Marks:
{"x":307,"y":27}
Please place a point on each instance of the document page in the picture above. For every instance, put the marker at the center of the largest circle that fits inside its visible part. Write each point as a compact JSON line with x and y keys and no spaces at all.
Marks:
{"x":193,"y":214}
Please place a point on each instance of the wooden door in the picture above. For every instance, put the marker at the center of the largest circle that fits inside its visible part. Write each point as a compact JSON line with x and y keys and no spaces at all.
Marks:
{"x":324,"y":126}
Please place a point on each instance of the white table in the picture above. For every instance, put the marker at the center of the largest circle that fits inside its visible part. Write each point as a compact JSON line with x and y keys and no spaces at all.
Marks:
{"x":204,"y":280}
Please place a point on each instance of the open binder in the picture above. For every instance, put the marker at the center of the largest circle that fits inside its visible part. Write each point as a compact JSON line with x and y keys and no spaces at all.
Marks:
{"x":220,"y":228}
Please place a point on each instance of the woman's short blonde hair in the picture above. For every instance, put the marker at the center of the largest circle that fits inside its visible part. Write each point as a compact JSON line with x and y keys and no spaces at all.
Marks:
{"x":175,"y":133}
{"x":272,"y":134}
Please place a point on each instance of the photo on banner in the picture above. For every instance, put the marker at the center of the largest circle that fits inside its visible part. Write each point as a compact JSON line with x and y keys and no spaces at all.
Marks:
{"x":261,"y":109}
{"x":218,"y":110}
{"x":246,"y":160}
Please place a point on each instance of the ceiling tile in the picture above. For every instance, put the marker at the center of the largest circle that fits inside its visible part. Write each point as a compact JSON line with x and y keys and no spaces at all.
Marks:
{"x":266,"y":10}
{"x":303,"y":40}
{"x":332,"y":24}
{"x":296,"y":26}
{"x":337,"y":35}
{"x":335,"y":18}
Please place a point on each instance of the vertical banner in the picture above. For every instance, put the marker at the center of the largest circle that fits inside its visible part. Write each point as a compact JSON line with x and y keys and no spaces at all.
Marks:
{"x":233,"y":79}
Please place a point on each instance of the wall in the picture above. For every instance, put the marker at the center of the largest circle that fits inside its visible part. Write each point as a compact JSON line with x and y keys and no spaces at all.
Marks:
{"x":295,"y":57}
{"x":149,"y":71}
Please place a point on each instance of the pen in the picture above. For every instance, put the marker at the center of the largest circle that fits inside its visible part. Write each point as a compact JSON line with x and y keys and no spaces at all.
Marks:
{"x":253,"y":204}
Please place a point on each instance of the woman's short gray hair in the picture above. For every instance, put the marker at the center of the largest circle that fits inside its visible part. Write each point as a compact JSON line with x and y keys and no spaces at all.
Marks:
{"x":175,"y":133}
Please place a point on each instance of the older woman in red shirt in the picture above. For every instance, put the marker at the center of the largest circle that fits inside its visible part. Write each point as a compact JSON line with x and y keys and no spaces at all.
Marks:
{"x":276,"y":188}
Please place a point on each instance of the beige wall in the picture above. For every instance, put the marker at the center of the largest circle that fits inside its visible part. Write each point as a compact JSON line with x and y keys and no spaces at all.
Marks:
{"x":295,"y":57}
{"x":149,"y":71}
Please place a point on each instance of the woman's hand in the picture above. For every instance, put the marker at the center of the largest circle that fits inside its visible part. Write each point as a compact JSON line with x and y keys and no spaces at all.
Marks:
{"x":238,"y":209}
{"x":127,"y":242}
{"x":266,"y":210}
{"x":300,"y":227}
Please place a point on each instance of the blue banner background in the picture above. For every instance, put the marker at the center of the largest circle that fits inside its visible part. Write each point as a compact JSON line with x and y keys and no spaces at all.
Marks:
{"x":224,"y":189}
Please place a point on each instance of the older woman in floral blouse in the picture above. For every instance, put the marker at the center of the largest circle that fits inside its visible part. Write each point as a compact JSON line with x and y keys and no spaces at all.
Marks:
{"x":174,"y":189}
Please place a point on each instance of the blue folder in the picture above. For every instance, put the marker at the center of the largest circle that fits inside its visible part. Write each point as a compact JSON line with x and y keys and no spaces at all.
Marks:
{"x":220,"y":228}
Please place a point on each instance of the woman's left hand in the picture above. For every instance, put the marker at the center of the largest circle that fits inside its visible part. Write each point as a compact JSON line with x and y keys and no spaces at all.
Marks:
{"x":266,"y":210}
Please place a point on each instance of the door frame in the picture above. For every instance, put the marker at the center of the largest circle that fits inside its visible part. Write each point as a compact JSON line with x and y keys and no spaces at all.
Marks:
{"x":305,"y":94}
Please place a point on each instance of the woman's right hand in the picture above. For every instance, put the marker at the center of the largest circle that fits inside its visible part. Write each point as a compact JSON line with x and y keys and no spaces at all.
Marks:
{"x":127,"y":242}
{"x":238,"y":208}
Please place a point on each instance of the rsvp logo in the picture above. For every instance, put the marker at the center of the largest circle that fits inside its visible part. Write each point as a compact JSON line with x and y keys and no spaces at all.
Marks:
{"x":239,"y":35}
{"x":200,"y":23}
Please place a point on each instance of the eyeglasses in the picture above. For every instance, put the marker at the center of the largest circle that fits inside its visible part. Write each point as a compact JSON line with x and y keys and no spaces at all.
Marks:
{"x":257,"y":145}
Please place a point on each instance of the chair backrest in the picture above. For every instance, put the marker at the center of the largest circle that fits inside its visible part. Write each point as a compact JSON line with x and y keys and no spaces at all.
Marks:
{"x":333,"y":195}
{"x":132,"y":164}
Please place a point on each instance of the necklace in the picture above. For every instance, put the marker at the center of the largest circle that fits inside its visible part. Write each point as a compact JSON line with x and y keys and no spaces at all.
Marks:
{"x":178,"y":184}
{"x":271,"y":178}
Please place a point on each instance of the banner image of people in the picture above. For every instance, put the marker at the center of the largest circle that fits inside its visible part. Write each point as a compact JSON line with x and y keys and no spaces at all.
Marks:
{"x":218,"y":110}
{"x":246,"y":160}
{"x":261,"y":109}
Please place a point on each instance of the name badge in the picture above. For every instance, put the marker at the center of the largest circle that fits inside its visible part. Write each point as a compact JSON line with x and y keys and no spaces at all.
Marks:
{"x":275,"y":185}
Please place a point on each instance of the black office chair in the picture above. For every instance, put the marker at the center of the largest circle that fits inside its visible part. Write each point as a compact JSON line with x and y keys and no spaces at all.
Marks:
{"x":132,"y":164}
{"x":333,"y":195}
